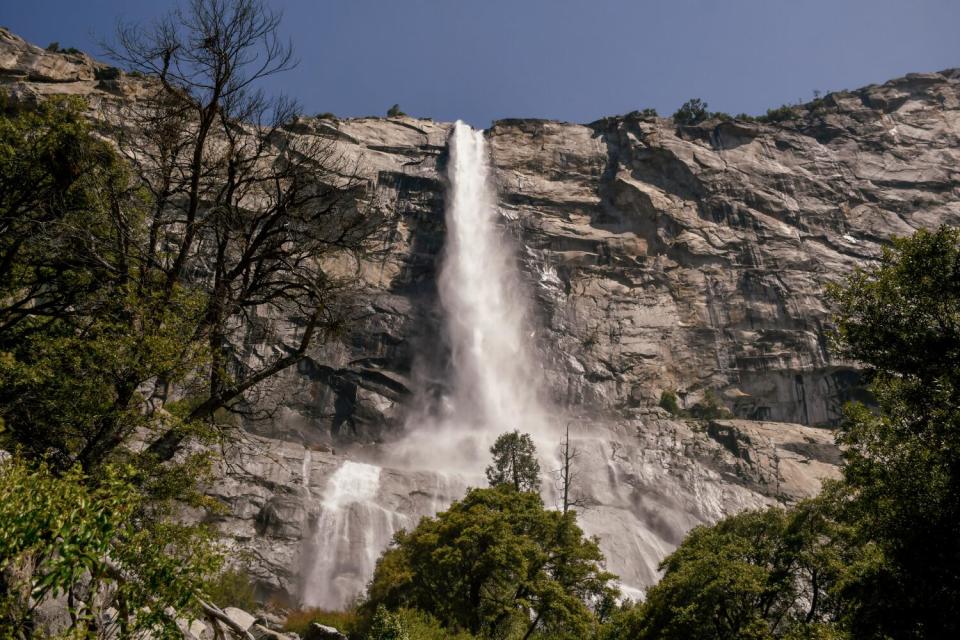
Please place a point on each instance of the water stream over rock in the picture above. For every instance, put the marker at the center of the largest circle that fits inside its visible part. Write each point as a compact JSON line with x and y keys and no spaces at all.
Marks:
{"x":493,"y":387}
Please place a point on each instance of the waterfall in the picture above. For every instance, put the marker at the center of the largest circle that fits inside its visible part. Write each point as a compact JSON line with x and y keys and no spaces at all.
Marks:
{"x":493,"y":381}
{"x":493,"y":388}
{"x":349,"y":533}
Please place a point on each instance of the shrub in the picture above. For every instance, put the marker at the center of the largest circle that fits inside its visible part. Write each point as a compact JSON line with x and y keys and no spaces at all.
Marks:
{"x":299,"y":620}
{"x":95,"y":541}
{"x":668,"y":401}
{"x":420,"y":625}
{"x":780,"y":114}
{"x":53,"y":47}
{"x":326,"y":115}
{"x":692,"y":111}
{"x":233,"y":588}
{"x":645,"y":113}
{"x":710,"y":408}
{"x":107,"y":73}
{"x":387,"y":626}
{"x":394,"y":111}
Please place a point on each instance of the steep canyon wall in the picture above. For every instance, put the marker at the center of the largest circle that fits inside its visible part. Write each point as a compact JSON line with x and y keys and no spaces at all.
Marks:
{"x":657,"y":256}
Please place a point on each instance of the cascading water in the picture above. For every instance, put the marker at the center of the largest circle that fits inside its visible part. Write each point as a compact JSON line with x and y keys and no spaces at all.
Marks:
{"x":349,"y":533}
{"x":493,"y":389}
{"x":494,"y":383}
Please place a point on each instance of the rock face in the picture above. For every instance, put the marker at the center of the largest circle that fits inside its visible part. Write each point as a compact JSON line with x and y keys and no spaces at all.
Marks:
{"x":658,"y":257}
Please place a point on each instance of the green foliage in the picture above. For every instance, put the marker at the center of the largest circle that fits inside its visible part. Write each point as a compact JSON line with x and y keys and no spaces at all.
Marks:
{"x":326,"y":115}
{"x":54,"y":47}
{"x":645,"y":114}
{"x":422,"y":626}
{"x":711,"y":407}
{"x":877,"y":554}
{"x":514,"y":462}
{"x":86,"y":329}
{"x":489,"y":563}
{"x":780,"y":114}
{"x":693,"y":111}
{"x":760,"y":574}
{"x":901,"y":478}
{"x":82,"y":329}
{"x":68,"y":534}
{"x":386,"y":626}
{"x":107,"y":73}
{"x":298,"y":621}
{"x":668,"y":402}
{"x":232,"y":588}
{"x":395,"y":112}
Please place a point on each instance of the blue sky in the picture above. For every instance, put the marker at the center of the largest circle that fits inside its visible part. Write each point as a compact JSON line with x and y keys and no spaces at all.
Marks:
{"x":482,"y":60}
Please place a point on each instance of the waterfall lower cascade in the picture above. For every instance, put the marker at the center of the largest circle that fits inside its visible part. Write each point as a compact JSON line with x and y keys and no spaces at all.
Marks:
{"x":349,"y":533}
{"x":492,"y":389}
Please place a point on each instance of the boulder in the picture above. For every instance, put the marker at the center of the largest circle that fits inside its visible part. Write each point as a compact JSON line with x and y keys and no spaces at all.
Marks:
{"x":261,"y":632}
{"x":240,"y":617}
{"x":318,"y":631}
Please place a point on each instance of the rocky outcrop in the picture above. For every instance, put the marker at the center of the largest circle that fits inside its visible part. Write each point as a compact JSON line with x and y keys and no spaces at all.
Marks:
{"x":696,"y":258}
{"x":660,"y":257}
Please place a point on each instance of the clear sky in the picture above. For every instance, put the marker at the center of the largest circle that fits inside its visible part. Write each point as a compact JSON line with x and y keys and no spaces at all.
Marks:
{"x":574,"y":60}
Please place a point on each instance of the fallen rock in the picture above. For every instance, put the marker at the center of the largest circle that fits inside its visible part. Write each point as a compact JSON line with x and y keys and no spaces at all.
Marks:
{"x":270,"y":620}
{"x":240,"y":617}
{"x":261,"y":632}
{"x":319,"y":631}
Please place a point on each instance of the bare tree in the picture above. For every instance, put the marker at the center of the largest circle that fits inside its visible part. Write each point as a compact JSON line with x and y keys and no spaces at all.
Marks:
{"x":567,"y":475}
{"x":241,"y":209}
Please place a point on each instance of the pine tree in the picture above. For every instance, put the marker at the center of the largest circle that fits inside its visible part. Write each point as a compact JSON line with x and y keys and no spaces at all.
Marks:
{"x":514,"y":462}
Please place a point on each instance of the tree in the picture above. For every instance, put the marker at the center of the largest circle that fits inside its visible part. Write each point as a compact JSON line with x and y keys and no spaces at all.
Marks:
{"x":80,"y":336}
{"x":759,"y":574}
{"x":668,"y":402}
{"x":239,"y":209}
{"x":693,"y":111}
{"x":495,"y":563}
{"x":567,"y":475}
{"x":514,"y":462}
{"x":66,"y":535}
{"x":395,"y":112}
{"x":901,"y":477}
{"x":386,"y":626}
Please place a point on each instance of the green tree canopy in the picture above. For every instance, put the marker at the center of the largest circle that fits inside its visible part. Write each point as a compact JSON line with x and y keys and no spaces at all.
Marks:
{"x":514,"y":462}
{"x":901,"y":478}
{"x":759,"y":574}
{"x":692,"y":111}
{"x":496,"y":564}
{"x":63,"y":534}
{"x":877,"y":555}
{"x":83,"y":330}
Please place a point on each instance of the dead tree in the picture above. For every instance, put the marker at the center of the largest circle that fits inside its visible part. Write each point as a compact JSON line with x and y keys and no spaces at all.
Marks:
{"x":568,"y":474}
{"x":243,"y":214}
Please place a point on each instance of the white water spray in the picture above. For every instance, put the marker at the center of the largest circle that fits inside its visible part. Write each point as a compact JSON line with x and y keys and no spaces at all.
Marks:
{"x":350,"y":532}
{"x":494,"y":383}
{"x":494,"y":388}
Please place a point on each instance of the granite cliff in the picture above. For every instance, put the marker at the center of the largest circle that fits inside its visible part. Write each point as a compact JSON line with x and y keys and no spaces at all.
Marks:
{"x":659,"y":258}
